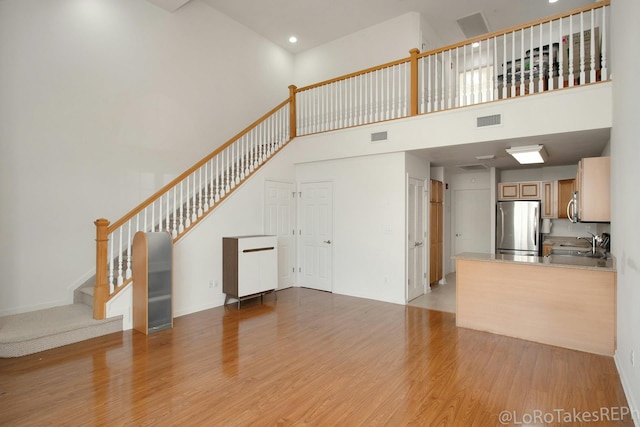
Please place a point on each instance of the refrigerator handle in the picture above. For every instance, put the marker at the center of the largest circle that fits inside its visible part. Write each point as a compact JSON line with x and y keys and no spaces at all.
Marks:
{"x":501,"y":226}
{"x":535,"y":228}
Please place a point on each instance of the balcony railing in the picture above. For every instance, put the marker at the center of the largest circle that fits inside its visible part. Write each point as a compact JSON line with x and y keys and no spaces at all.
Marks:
{"x":565,"y":50}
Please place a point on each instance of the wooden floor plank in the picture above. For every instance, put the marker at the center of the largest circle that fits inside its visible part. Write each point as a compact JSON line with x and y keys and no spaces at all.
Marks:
{"x":309,"y":358}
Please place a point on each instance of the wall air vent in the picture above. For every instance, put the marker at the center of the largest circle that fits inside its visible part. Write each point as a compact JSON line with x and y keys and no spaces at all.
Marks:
{"x":379,"y":136}
{"x":474,"y":167}
{"x":494,"y":120}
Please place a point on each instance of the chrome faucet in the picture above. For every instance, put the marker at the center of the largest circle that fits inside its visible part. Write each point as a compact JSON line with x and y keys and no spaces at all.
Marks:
{"x":593,"y":240}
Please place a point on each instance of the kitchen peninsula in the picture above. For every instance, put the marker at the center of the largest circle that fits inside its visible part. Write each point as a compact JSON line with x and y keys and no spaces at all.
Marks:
{"x":562,"y":300}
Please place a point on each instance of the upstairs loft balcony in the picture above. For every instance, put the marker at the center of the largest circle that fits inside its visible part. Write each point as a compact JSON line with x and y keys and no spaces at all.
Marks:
{"x":555,"y":53}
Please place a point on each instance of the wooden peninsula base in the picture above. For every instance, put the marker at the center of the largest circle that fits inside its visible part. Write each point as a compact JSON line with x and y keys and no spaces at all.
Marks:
{"x":543,"y":300}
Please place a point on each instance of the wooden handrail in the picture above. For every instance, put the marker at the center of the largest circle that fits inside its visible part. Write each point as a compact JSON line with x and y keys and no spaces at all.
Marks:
{"x":354,"y":74}
{"x":502,"y":32}
{"x":192,"y":169}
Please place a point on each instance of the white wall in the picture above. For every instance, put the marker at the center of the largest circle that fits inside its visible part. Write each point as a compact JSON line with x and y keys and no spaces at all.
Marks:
{"x":368,"y":223}
{"x":625,"y":152}
{"x":102,"y":103}
{"x":388,"y":41}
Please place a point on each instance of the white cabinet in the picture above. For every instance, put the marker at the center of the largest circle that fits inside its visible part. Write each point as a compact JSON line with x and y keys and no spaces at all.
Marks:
{"x":519,"y":190}
{"x":249,"y":266}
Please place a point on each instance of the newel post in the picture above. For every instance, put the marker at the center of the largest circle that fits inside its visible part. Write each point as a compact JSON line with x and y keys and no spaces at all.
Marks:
{"x":292,"y":111}
{"x":101,"y":287}
{"x":414,"y":81}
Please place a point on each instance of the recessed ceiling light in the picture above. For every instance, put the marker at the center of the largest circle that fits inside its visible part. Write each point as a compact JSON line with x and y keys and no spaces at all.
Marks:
{"x":475,"y":44}
{"x":552,"y":1}
{"x":293,"y":39}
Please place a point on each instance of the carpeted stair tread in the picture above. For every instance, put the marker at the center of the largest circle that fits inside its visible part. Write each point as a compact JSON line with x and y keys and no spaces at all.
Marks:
{"x":27,"y":333}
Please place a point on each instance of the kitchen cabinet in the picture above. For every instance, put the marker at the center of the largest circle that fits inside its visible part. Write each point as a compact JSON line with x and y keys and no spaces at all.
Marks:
{"x":436,"y":231}
{"x":249,"y":266}
{"x":549,"y":200}
{"x":519,"y":190}
{"x":566,"y":187}
{"x":152,"y":281}
{"x":593,"y":184}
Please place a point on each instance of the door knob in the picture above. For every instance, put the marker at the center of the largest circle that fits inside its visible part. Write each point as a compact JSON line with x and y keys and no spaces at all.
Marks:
{"x":327,"y":242}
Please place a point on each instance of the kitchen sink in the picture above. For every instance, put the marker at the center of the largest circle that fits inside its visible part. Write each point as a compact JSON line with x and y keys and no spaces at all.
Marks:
{"x":586,"y":261}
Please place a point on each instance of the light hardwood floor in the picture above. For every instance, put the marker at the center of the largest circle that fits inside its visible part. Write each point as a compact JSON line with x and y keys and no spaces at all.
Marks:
{"x":309,"y":358}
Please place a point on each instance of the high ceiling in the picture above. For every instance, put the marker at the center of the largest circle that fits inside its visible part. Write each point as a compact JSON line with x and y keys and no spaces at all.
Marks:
{"x":316,"y":22}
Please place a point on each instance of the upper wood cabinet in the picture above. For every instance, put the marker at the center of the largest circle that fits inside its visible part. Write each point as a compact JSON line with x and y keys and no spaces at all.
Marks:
{"x":593,"y":184}
{"x":549,"y":200}
{"x":519,"y":191}
{"x":566,"y":187}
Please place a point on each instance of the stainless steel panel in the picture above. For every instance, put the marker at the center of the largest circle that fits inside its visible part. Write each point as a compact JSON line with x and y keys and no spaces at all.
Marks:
{"x":518,"y":227}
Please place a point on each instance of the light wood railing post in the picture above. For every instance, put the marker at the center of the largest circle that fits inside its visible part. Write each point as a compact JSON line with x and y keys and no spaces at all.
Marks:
{"x":414,"y":81}
{"x":101,"y":287}
{"x":292,"y":111}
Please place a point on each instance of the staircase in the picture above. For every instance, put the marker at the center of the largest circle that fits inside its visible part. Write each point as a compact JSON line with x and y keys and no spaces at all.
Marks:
{"x":36,"y":331}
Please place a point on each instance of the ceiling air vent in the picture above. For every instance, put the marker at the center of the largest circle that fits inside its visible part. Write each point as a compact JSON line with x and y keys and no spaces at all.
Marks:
{"x":473,"y":25}
{"x":494,"y":120}
{"x":379,"y":136}
{"x":473,"y":167}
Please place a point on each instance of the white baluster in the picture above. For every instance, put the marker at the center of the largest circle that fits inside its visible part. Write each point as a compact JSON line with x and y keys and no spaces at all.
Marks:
{"x":120,"y":255}
{"x":522,"y":63}
{"x":174,"y":226}
{"x":592,"y":51}
{"x":513,"y":63}
{"x":212,"y":187}
{"x":181,"y":205}
{"x":561,"y":57}
{"x":205,"y":187}
{"x":227,"y":167}
{"x":153,"y":217}
{"x":582,"y":50}
{"x":552,"y":58}
{"x":110,"y":266}
{"x":456,"y":80}
{"x":442,"y":82}
{"x":198,"y":195}
{"x":494,"y":77}
{"x":232,"y":179}
{"x":505,"y":70}
{"x":570,"y":60}
{"x":128,"y":272}
{"x":531,"y":61}
{"x":187,"y":209}
{"x":541,"y":72}
{"x":604,"y":73}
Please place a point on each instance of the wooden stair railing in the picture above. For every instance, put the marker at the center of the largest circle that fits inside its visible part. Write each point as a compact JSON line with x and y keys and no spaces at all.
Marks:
{"x":564,"y":50}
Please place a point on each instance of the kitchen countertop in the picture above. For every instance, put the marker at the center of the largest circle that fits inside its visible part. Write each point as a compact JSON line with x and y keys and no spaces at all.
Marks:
{"x":554,"y":261}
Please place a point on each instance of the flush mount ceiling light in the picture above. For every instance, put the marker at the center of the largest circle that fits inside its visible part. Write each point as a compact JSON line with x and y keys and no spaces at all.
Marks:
{"x":293,"y":39}
{"x":528,"y":154}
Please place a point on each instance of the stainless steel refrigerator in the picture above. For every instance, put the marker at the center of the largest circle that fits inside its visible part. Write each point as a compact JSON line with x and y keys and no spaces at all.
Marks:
{"x":518,"y":227}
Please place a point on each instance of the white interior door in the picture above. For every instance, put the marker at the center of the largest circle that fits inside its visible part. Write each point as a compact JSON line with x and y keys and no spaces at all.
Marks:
{"x":416,"y":253}
{"x":472,"y":221}
{"x":315,"y":234}
{"x":279,"y":220}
